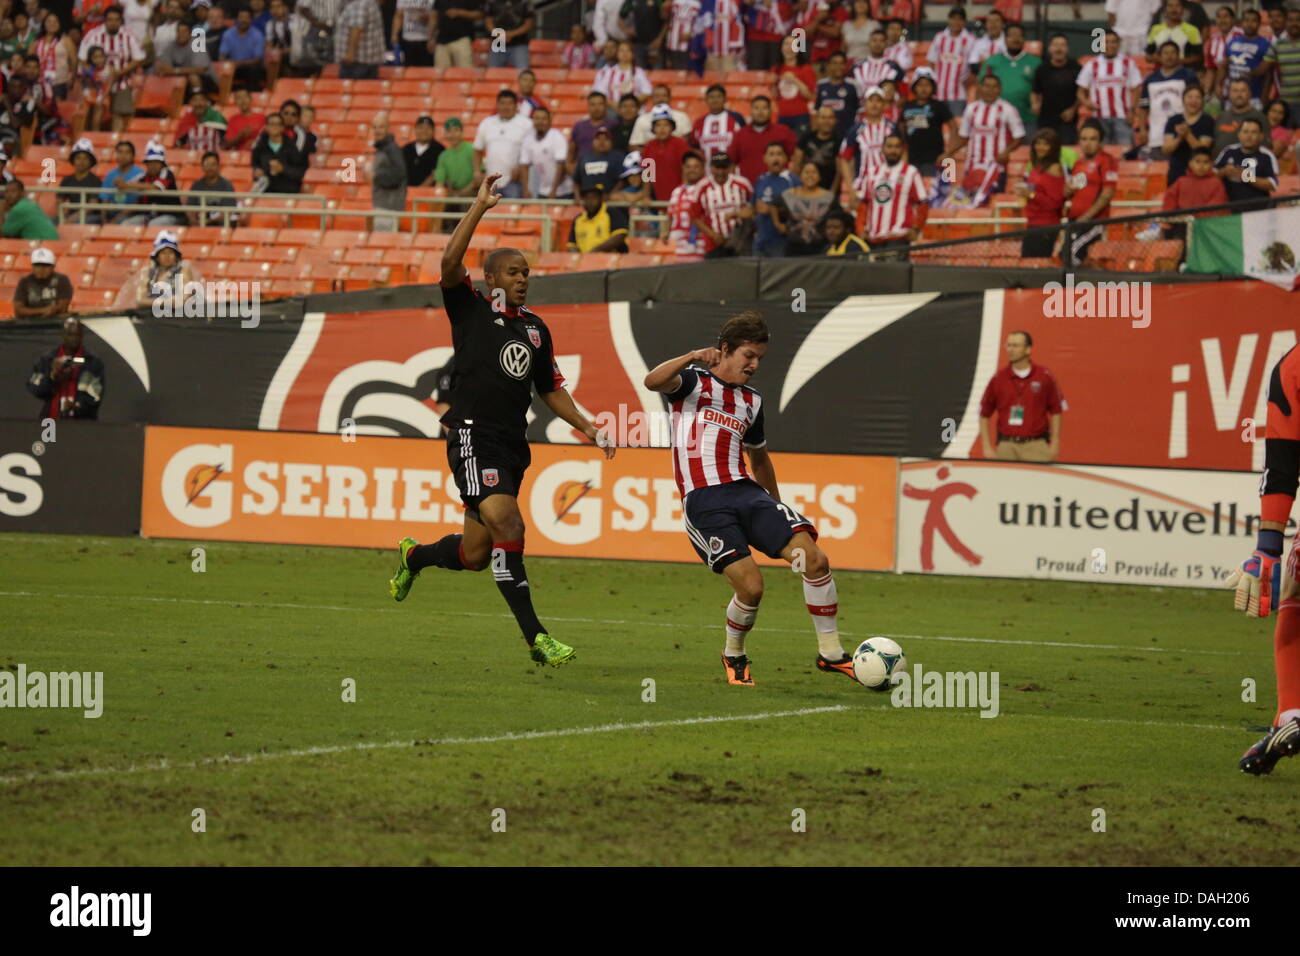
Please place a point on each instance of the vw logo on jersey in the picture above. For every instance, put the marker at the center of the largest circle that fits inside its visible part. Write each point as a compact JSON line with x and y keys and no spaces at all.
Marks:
{"x":535,"y":337}
{"x":883,"y":193}
{"x":516,"y":360}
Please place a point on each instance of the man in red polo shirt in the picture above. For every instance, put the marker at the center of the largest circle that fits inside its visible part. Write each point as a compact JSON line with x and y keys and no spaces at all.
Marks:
{"x":749,"y":144}
{"x":666,"y":151}
{"x":1028,"y":405}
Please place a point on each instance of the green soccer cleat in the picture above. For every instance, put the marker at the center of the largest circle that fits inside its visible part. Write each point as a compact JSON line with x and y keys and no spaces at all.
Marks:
{"x":399,"y":585}
{"x":547,"y":650}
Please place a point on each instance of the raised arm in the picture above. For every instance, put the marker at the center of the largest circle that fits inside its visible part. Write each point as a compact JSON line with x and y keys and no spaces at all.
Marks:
{"x":665,"y":377}
{"x":453,"y":266}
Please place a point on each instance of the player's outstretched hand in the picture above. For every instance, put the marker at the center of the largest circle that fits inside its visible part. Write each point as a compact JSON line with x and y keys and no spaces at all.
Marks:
{"x":709,"y":357}
{"x":1258,"y":583}
{"x":487,"y":193}
{"x":604,"y":442}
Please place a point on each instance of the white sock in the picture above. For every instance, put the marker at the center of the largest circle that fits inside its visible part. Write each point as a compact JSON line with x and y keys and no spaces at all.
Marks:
{"x":823,"y":604}
{"x":740,"y":618}
{"x":1285,"y":716}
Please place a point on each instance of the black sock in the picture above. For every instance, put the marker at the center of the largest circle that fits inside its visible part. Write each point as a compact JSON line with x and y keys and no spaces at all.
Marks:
{"x":444,"y":553}
{"x":508,"y":570}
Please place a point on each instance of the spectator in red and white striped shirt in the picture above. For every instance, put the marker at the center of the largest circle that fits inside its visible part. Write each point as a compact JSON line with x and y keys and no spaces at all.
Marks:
{"x":863,"y":147}
{"x":714,"y":130}
{"x":728,"y":42}
{"x":770,"y":24}
{"x":681,"y":229}
{"x":681,"y":16}
{"x":1108,"y":88}
{"x":623,"y":76}
{"x":1216,"y":49}
{"x":896,"y":197}
{"x":723,"y":200}
{"x":993,"y":129}
{"x":896,"y":46}
{"x":950,"y":53}
{"x":124,"y":57}
{"x":875,"y":68}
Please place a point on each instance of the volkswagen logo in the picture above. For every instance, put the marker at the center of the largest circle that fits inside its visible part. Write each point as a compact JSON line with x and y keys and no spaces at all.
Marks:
{"x":516,"y":359}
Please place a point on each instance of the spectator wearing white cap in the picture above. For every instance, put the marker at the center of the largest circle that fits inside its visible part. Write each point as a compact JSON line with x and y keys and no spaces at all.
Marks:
{"x":42,"y":293}
{"x":643,"y":128}
{"x":166,"y":274}
{"x":664,"y":154}
{"x":157,"y":190}
{"x":82,"y":177}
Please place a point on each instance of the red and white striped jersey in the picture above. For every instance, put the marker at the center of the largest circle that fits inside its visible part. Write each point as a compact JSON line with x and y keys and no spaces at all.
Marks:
{"x":900,"y":53}
{"x":864,"y":144}
{"x":680,"y":229}
{"x":989,"y":127}
{"x":891,"y":193}
{"x":728,"y":30}
{"x":950,"y":56}
{"x":120,"y":48}
{"x":616,"y":82}
{"x":681,"y":24}
{"x":713,"y":132}
{"x":1108,"y":81}
{"x":712,"y":423}
{"x":1216,"y":44}
{"x":872,"y":72}
{"x":716,"y":203}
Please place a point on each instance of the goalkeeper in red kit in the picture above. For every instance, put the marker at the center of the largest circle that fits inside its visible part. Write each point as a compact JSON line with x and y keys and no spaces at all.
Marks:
{"x":1261,"y":583}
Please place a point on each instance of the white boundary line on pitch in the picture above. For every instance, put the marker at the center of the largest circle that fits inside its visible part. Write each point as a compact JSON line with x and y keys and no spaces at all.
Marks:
{"x":230,"y":759}
{"x":402,"y":744}
{"x":592,"y":620}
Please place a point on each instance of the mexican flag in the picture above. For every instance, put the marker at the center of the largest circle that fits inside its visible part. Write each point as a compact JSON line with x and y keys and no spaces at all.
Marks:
{"x":1263,"y":245}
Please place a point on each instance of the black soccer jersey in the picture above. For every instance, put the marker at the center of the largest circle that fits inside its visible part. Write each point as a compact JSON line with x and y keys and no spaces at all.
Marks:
{"x":500,"y":357}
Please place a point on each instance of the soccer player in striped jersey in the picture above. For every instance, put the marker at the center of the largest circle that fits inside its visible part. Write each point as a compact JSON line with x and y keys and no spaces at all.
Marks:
{"x":728,"y":506}
{"x":896,"y":197}
{"x":950,"y":53}
{"x":1108,"y":88}
{"x":503,"y":351}
{"x":1261,"y":583}
{"x":993,"y":128}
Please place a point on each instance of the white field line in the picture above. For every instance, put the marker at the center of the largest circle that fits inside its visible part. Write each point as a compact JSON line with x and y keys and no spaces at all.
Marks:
{"x":1242,"y":648}
{"x":229,"y":759}
{"x":402,"y":744}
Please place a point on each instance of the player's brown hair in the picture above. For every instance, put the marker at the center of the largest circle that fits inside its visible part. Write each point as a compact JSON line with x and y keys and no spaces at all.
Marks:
{"x":745,"y":327}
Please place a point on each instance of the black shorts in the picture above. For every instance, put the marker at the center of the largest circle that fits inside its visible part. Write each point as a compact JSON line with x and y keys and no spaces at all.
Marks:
{"x":485,"y":465}
{"x":723,"y":520}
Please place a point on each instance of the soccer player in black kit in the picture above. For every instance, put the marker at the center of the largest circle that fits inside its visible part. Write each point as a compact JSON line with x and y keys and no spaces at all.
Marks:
{"x":502,"y":351}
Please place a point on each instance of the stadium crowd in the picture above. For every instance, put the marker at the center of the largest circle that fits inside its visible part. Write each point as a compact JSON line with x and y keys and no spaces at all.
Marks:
{"x":825,"y":128}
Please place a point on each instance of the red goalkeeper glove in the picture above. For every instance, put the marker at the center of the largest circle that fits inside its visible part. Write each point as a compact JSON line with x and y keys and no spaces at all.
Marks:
{"x":1258,"y":582}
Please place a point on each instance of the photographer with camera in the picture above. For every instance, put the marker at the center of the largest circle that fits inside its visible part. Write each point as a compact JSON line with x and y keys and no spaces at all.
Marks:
{"x":68,"y":380}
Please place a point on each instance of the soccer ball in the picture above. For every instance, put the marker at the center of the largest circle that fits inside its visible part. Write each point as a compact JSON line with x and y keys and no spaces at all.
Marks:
{"x":876,"y":660}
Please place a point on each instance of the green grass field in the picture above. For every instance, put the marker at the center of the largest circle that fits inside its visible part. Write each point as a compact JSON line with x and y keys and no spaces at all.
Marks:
{"x":223,"y":691}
